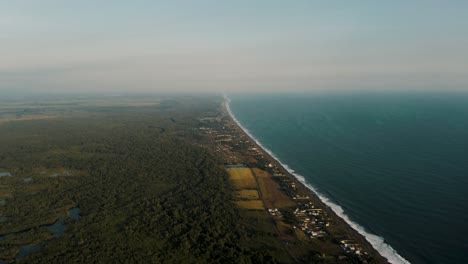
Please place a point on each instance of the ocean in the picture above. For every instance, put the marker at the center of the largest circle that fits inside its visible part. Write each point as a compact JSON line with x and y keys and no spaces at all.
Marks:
{"x":394,"y":165}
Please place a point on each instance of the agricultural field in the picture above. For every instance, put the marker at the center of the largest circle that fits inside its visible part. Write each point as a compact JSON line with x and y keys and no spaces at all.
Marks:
{"x":246,"y":194}
{"x":251,"y":204}
{"x":260,"y":173}
{"x":242,"y":178}
{"x":271,"y":192}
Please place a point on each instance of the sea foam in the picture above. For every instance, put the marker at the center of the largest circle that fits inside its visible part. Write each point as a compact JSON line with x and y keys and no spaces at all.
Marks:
{"x":376,"y":241}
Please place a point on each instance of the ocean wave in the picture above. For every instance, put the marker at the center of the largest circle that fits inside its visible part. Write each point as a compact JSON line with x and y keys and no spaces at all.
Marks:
{"x":376,"y":241}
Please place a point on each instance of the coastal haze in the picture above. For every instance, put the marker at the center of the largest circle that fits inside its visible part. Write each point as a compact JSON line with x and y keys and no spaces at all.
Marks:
{"x":193,"y":46}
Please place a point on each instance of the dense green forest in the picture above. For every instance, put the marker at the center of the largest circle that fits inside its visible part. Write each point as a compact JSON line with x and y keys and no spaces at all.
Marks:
{"x":146,"y":190}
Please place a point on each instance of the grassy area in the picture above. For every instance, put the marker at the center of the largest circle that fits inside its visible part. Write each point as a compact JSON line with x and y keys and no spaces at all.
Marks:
{"x":246,"y":194}
{"x":242,"y":178}
{"x":271,"y":192}
{"x":260,"y":173}
{"x":259,"y":222}
{"x":285,"y":230}
{"x":251,"y":204}
{"x":240,"y":173}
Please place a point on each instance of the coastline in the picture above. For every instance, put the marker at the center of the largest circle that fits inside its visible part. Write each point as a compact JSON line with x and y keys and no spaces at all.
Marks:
{"x":374,"y":244}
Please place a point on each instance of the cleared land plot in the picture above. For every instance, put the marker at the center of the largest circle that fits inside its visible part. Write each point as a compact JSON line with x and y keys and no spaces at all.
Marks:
{"x":242,"y":178}
{"x":247,"y":194}
{"x":260,"y":173}
{"x":272,"y":194}
{"x":265,"y":235}
{"x":286,"y":232}
{"x":252,"y":204}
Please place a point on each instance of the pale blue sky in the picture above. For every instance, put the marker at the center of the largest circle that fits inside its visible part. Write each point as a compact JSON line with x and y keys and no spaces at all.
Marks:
{"x":268,"y":45}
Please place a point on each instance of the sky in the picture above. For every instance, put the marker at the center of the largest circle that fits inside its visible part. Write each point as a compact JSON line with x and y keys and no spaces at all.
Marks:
{"x":227,"y":46}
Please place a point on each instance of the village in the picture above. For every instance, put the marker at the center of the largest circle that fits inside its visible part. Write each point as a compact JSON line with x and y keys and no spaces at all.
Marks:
{"x":306,"y":215}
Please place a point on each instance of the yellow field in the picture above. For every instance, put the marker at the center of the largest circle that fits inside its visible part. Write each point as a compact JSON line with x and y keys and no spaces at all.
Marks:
{"x":252,"y":204}
{"x":245,"y":181}
{"x":247,"y":194}
{"x":242,"y":178}
{"x":239,"y":173}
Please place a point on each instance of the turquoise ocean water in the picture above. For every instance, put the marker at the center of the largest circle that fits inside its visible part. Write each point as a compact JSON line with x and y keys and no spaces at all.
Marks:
{"x":395,"y":163}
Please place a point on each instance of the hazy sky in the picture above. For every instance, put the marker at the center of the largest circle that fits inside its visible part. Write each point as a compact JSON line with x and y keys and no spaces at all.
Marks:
{"x":59,"y":45}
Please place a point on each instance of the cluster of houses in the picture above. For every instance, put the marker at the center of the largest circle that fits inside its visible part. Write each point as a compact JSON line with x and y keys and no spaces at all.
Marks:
{"x":210,"y":119}
{"x":222,"y":134}
{"x":275,"y":212}
{"x":354,"y":249}
{"x":289,"y":187}
{"x":312,"y":220}
{"x":223,"y":138}
{"x":255,"y":152}
{"x":229,"y":140}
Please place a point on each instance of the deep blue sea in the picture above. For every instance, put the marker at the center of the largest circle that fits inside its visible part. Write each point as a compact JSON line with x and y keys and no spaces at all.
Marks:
{"x":396,"y":163}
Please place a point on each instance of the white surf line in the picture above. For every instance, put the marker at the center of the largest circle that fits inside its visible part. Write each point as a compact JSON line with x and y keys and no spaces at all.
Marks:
{"x":376,"y":241}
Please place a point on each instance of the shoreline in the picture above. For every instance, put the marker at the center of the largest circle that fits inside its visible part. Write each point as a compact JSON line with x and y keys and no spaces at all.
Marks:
{"x":376,"y":245}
